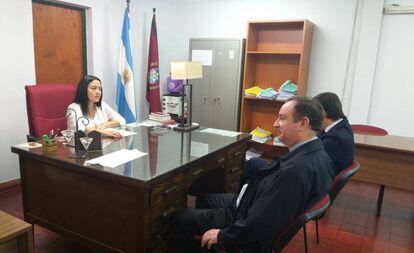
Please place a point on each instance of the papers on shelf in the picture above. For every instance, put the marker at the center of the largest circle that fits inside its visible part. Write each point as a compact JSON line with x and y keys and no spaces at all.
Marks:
{"x":124,"y":133}
{"x":261,"y":139}
{"x":220,"y":132}
{"x":276,"y":142}
{"x":30,"y":145}
{"x":251,"y":153}
{"x":117,"y":158}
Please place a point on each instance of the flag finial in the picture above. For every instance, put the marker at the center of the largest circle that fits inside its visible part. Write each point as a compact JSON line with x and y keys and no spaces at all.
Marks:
{"x":128,"y":4}
{"x":153,"y":10}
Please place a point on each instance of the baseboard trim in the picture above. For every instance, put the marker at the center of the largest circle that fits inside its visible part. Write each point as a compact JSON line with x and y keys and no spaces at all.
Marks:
{"x":9,"y":184}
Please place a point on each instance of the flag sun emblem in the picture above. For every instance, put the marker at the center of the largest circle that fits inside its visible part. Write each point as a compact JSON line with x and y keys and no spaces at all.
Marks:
{"x":153,"y":75}
{"x":126,"y":76}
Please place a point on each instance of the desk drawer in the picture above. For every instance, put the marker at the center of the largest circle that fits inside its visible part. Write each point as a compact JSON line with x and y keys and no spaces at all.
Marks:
{"x":237,"y":153}
{"x":219,"y":160}
{"x":160,"y":224}
{"x":164,"y":193}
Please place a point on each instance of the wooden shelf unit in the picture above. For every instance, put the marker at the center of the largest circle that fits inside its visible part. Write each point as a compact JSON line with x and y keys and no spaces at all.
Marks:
{"x":276,"y":51}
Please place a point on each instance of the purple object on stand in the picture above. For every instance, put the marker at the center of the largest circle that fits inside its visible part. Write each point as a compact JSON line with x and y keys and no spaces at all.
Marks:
{"x":174,"y":86}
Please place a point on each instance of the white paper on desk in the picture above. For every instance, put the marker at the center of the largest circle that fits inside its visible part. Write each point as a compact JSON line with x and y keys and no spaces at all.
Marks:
{"x":149,"y":123}
{"x":198,"y":149}
{"x":205,"y":57}
{"x":30,"y":145}
{"x":220,"y":132}
{"x":132,"y":124}
{"x":117,"y":158}
{"x":124,"y":133}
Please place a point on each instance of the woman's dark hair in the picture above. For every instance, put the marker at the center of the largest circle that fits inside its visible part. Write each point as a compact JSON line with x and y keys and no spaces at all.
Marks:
{"x":331,"y":105}
{"x":81,"y":96}
{"x":310,"y":108}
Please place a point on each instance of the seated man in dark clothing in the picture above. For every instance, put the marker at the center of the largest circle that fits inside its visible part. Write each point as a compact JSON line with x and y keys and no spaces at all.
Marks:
{"x":274,"y":196}
{"x":337,"y":137}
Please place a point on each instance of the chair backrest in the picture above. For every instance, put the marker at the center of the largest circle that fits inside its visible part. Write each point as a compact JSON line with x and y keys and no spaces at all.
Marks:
{"x":341,"y":179}
{"x":367,"y":129}
{"x":46,"y":106}
{"x":291,"y":229}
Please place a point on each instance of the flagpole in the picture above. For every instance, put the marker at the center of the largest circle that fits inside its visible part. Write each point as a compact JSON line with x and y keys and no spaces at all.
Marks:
{"x":128,"y":5}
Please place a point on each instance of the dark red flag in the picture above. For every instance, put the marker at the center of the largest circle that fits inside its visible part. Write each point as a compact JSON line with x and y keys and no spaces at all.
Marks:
{"x":153,"y":74}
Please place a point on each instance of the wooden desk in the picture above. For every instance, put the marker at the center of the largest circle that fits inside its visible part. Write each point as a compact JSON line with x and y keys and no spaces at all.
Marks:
{"x":126,"y":209}
{"x":385,"y":160}
{"x":15,"y":235}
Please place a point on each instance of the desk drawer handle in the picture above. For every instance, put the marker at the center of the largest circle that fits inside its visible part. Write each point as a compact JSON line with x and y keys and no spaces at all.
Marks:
{"x":238,"y":153}
{"x":195,"y":173}
{"x":168,"y":213}
{"x":169,"y":190}
{"x":221,"y":160}
{"x":234,"y":169}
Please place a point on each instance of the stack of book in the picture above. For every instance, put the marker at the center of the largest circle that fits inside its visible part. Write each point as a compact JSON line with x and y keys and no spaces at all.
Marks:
{"x":287,"y":90}
{"x":163,"y":118}
{"x":260,"y":135}
{"x":277,"y":142}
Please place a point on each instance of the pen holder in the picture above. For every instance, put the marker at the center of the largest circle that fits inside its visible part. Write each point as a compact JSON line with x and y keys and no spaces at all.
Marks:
{"x":49,"y":146}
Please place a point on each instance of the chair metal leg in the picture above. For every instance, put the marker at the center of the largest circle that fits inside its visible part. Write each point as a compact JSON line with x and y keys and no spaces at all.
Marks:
{"x":305,"y":238}
{"x":317,"y":231}
{"x":380,"y":198}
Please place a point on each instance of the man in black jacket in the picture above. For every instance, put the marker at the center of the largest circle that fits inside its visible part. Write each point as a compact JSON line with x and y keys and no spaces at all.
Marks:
{"x":275,"y":195}
{"x":337,"y":137}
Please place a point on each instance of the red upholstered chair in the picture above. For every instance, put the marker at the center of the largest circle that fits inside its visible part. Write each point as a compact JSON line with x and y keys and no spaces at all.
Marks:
{"x":300,"y":222}
{"x":337,"y":185}
{"x":373,"y":130}
{"x":46,"y":105}
{"x":370,"y":130}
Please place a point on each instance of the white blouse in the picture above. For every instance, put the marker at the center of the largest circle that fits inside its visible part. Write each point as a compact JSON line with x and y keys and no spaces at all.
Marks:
{"x":103,"y":114}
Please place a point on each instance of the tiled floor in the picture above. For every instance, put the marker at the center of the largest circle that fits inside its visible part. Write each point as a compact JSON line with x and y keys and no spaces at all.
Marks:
{"x":349,"y":226}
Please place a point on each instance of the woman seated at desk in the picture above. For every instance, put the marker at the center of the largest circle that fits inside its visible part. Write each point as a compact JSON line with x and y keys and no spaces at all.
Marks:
{"x":88,"y":103}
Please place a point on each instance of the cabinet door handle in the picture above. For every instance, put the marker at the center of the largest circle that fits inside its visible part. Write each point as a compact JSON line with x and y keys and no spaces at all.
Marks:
{"x":204,"y":100}
{"x":167,"y":213}
{"x":169,"y":190}
{"x":195,"y":173}
{"x":234,"y":169}
{"x":221,"y":160}
{"x":238,"y":153}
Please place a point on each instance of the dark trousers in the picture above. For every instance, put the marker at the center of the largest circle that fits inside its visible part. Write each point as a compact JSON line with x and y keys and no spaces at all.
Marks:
{"x":213,"y":211}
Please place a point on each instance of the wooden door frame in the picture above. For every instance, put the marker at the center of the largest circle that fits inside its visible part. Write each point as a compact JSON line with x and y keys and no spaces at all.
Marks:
{"x":83,"y":20}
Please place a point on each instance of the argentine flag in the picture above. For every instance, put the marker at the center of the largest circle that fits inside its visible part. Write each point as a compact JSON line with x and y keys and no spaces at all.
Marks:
{"x":125,"y":98}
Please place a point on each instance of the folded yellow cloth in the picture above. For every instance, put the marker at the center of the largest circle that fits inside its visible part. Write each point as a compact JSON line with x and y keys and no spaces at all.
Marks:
{"x":259,"y":132}
{"x":255,"y":90}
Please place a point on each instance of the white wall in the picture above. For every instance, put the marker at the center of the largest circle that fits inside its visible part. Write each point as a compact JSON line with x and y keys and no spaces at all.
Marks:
{"x":179,"y":20}
{"x":18,"y":68}
{"x":345,"y":42}
{"x":391,"y":104}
